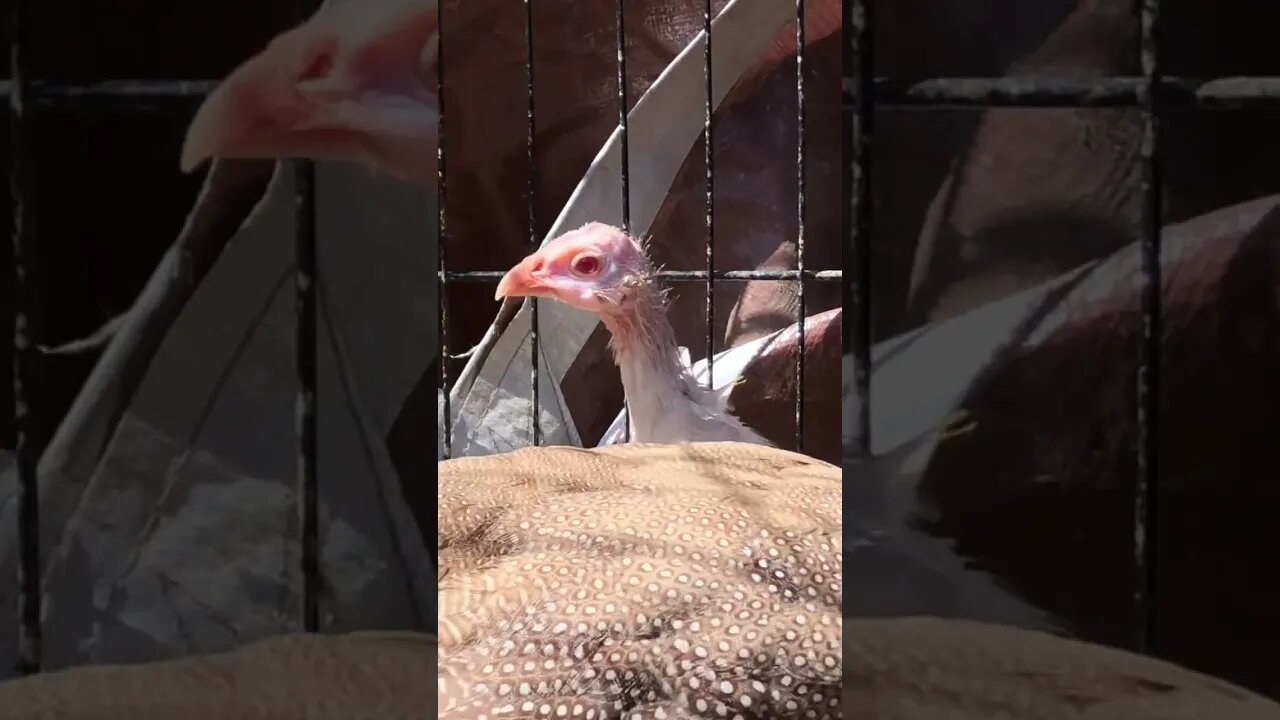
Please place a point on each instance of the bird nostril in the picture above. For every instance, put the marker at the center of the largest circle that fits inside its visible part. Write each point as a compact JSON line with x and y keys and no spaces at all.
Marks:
{"x":536,"y":266}
{"x":319,"y":66}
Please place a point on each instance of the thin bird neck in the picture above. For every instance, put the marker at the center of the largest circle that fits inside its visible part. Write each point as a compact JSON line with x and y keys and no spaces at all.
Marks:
{"x":644,"y":347}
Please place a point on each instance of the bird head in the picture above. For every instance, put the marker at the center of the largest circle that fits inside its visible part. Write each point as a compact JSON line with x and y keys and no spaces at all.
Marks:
{"x":357,"y":81}
{"x":597,"y":268}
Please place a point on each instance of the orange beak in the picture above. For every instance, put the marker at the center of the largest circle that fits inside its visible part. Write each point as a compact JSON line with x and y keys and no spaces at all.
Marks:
{"x":524,"y":280}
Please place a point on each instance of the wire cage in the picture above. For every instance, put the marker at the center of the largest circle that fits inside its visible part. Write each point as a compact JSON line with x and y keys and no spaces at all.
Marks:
{"x":800,"y":275}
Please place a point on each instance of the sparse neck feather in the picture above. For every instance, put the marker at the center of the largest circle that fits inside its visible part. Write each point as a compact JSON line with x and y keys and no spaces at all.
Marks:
{"x":644,"y":347}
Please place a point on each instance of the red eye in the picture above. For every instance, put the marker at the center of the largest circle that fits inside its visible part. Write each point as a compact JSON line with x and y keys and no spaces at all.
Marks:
{"x":586,"y":265}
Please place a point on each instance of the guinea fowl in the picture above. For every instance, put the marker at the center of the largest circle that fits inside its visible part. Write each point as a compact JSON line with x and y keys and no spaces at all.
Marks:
{"x":685,"y":581}
{"x":600,"y":269}
{"x":690,"y":581}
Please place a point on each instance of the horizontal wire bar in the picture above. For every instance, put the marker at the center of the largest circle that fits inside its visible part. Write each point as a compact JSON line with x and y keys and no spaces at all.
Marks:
{"x":493,"y":276}
{"x":1060,"y":92}
{"x":144,"y":95}
{"x":127,"y":88}
{"x":963,"y":91}
{"x":943,"y":91}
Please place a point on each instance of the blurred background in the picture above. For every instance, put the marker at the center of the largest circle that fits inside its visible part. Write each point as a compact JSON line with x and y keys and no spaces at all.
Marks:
{"x":1024,"y":512}
{"x":1006,"y":301}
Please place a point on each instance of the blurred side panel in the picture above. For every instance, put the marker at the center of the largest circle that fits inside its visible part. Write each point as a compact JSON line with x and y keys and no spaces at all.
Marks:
{"x":1216,"y":586}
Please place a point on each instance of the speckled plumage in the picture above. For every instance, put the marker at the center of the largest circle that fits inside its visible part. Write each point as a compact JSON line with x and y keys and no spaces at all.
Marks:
{"x":370,"y":675}
{"x":640,"y":581}
{"x":943,"y":669}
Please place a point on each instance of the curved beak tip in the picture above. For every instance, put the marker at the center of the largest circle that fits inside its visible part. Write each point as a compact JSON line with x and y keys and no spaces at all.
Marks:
{"x":191,"y":159}
{"x":203,"y":137}
{"x":518,"y":282}
{"x":507,"y":286}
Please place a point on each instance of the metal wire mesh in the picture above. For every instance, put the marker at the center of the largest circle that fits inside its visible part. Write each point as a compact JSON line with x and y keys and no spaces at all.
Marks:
{"x":707,"y":276}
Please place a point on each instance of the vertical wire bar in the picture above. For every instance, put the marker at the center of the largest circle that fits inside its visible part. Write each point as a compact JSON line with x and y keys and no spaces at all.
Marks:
{"x":626,"y":155}
{"x":29,"y":379}
{"x":533,"y":228}
{"x":1148,"y":386}
{"x":857,"y":129}
{"x":708,"y":164}
{"x":800,"y":209}
{"x":305,"y":348}
{"x":441,"y":233}
{"x":622,"y":118}
{"x":848,"y":208}
{"x":305,"y":360}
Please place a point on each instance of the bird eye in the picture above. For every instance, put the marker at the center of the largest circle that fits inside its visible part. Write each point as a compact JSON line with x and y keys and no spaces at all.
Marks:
{"x":586,"y":265}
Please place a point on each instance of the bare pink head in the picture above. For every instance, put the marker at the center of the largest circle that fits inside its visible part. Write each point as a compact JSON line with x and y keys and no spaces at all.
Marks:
{"x":597,"y":268}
